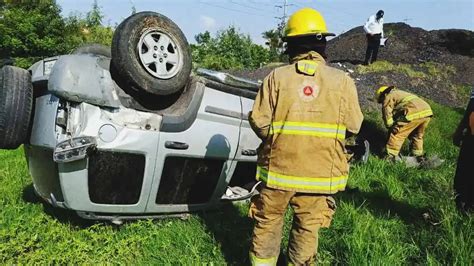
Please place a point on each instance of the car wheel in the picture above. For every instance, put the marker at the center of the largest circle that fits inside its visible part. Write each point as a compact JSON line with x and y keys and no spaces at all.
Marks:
{"x":95,"y":49}
{"x":16,"y":104}
{"x":151,"y":53}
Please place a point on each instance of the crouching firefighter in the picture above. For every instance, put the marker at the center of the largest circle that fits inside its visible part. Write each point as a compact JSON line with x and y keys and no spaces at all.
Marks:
{"x":406,"y":116}
{"x":302,"y":114}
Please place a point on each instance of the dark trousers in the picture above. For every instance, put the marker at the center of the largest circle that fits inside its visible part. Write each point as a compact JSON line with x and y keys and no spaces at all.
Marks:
{"x":373,"y":44}
{"x":464,"y":179}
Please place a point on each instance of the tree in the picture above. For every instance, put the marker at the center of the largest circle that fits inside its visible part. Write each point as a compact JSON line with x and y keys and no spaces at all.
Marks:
{"x":230,"y":49}
{"x":89,"y":29}
{"x":134,"y":9}
{"x":31,"y":29}
{"x":95,"y":16}
{"x":34,"y":29}
{"x":273,"y":42}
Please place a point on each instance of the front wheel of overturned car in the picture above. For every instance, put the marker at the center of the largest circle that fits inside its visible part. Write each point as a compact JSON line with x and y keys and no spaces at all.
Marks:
{"x":16,"y":104}
{"x":151,"y":53}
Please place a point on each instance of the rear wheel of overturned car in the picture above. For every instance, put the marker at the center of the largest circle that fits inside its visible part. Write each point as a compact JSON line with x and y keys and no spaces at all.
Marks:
{"x":16,"y":104}
{"x":151,"y":53}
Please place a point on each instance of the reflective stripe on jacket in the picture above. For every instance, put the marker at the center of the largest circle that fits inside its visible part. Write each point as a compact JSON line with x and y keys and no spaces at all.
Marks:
{"x":302,"y":113}
{"x":400,"y":105}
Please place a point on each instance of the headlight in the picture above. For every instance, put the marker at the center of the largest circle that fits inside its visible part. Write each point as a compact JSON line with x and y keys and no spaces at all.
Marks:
{"x":73,"y":149}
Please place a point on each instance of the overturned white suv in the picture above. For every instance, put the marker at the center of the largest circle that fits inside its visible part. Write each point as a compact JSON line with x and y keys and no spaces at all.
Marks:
{"x":131,"y":132}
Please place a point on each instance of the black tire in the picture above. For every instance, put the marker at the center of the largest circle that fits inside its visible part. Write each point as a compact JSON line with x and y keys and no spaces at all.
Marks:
{"x":125,"y":54}
{"x":6,"y":62}
{"x":16,"y":104}
{"x":95,"y":49}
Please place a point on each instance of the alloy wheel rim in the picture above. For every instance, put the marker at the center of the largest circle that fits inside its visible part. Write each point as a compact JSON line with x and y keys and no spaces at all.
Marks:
{"x":159,"y":54}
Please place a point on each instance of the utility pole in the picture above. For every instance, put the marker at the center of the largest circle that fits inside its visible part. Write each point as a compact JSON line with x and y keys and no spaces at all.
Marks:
{"x":282,"y":19}
{"x":281,"y":27}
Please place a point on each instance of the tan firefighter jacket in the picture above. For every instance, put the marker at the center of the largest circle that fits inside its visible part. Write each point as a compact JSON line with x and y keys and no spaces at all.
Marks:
{"x":302,"y":113}
{"x":401,"y":106}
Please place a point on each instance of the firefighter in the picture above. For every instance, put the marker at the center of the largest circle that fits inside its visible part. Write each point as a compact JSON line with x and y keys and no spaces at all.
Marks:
{"x":464,"y":181}
{"x":302,"y":113}
{"x":405,"y":115}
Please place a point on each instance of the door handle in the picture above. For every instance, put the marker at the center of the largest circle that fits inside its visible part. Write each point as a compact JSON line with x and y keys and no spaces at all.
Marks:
{"x":249,"y":152}
{"x":176,"y":145}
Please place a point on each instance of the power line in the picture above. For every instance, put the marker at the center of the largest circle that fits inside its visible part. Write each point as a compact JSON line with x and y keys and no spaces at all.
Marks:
{"x":232,"y":9}
{"x":338,"y":10}
{"x":262,"y":4}
{"x":247,"y":6}
{"x":284,"y":7}
{"x":298,"y":5}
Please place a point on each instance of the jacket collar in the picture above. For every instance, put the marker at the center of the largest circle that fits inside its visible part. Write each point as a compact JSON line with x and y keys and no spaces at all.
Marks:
{"x":311,"y":55}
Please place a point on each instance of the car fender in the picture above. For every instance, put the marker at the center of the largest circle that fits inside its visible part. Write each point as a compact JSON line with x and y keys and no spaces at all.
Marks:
{"x":84,"y":78}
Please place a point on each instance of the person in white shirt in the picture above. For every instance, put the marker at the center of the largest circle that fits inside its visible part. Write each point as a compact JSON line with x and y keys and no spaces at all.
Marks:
{"x":374,"y":32}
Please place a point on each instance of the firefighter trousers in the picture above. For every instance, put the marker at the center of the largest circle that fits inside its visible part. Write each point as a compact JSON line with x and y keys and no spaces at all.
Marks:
{"x":311,"y":212}
{"x":464,"y":179}
{"x":414,"y":130}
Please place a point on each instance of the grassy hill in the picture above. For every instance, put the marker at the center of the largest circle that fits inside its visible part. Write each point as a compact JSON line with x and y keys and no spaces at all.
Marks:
{"x":390,"y":215}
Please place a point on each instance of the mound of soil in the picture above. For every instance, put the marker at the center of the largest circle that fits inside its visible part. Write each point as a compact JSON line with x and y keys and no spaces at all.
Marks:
{"x":411,"y":45}
{"x":438,"y":90}
{"x":406,"y":45}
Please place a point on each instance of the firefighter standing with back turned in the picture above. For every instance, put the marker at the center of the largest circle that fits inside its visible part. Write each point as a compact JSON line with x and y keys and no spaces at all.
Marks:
{"x":406,"y":115}
{"x":302,"y":113}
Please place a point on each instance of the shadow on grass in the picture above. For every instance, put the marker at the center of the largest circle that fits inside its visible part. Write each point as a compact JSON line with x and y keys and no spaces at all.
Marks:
{"x":375,"y":135}
{"x":232,"y":230}
{"x":381,"y":205}
{"x":460,"y":110}
{"x":62,"y":215}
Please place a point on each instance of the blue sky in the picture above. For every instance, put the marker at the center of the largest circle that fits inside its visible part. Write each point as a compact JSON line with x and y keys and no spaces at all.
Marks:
{"x":255,"y":16}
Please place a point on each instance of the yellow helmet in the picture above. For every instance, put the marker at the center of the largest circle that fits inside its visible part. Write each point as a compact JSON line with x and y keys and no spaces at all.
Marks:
{"x":381,"y":90}
{"x":304,"y":22}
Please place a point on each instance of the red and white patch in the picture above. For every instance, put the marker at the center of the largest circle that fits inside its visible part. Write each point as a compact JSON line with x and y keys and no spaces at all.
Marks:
{"x":308,"y":92}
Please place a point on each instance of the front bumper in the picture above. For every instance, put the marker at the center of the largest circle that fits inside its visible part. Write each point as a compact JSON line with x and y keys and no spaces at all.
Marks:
{"x":116,"y":180}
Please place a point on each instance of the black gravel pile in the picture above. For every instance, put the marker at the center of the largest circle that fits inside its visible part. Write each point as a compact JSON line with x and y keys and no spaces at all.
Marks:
{"x":411,"y":45}
{"x":438,"y":90}
{"x":407,"y":45}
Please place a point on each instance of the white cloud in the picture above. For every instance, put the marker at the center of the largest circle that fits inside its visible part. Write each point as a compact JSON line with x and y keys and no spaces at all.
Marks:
{"x":207,"y":23}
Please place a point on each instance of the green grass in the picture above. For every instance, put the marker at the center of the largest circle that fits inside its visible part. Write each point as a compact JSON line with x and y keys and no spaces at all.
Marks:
{"x":379,"y":220}
{"x":463,"y":91}
{"x":426,"y":70}
{"x":385,"y":66}
{"x":438,"y":70}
